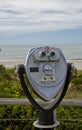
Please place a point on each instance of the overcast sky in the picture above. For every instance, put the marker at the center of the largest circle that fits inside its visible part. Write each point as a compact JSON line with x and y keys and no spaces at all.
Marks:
{"x":40,"y":22}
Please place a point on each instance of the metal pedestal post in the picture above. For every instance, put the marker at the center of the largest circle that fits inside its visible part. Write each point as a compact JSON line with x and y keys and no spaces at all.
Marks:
{"x":47,"y":121}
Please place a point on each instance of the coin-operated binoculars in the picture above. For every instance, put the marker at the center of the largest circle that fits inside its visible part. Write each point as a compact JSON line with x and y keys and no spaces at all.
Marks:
{"x":49,"y":76}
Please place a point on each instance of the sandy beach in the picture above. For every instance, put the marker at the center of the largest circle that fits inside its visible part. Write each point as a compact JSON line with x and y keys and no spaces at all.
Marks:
{"x":12,"y":63}
{"x":77,"y":63}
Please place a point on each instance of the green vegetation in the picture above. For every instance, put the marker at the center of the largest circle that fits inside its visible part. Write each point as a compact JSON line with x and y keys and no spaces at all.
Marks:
{"x":75,"y":87}
{"x":70,"y":117}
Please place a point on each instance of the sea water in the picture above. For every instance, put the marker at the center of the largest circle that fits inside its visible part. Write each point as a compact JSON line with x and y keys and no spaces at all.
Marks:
{"x":15,"y":52}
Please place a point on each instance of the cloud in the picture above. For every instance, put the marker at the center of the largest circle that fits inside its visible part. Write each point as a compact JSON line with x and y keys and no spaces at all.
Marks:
{"x":39,"y":15}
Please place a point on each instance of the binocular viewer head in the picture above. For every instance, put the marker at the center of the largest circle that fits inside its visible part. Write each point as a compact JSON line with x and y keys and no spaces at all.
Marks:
{"x":46,"y":70}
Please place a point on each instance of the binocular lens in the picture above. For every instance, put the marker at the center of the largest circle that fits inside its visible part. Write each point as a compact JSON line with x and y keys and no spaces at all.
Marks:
{"x":43,"y":54}
{"x":52,"y":53}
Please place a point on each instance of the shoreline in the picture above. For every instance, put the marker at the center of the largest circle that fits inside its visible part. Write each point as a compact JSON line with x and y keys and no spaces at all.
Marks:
{"x":12,"y":63}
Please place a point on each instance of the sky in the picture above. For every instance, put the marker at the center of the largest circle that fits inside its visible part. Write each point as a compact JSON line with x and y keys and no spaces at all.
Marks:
{"x":33,"y":22}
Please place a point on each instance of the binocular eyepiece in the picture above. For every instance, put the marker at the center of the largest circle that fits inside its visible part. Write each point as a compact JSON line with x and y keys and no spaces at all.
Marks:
{"x":44,"y":54}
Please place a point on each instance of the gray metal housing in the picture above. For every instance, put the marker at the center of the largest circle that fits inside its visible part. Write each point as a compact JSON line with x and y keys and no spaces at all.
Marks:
{"x":45,"y":72}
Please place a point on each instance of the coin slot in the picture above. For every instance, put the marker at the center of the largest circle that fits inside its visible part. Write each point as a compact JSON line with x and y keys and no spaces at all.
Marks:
{"x":34,"y":69}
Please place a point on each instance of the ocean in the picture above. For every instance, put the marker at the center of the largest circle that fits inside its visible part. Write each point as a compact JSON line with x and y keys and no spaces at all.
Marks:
{"x":16,"y":52}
